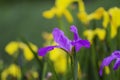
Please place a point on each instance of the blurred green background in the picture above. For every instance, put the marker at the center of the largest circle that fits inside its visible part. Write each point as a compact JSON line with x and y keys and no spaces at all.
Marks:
{"x":24,"y":18}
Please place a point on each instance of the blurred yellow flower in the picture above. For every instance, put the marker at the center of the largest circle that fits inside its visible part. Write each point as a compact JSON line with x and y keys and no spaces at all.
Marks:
{"x":35,"y":74}
{"x":60,"y":9}
{"x":90,"y":34}
{"x":97,"y":15}
{"x":86,"y":18}
{"x":27,"y":52}
{"x":112,"y":16}
{"x":12,"y":70}
{"x":48,"y":37}
{"x":106,"y":19}
{"x":14,"y":46}
{"x":101,"y":33}
{"x":4,"y":75}
{"x":107,"y":70}
{"x":58,"y":56}
{"x":114,"y":20}
{"x":82,"y":15}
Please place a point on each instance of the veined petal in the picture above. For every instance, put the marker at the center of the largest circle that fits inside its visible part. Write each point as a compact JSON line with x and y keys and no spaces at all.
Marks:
{"x":44,"y":50}
{"x":81,"y":43}
{"x":106,"y":62}
{"x":61,"y":39}
{"x":75,"y":31}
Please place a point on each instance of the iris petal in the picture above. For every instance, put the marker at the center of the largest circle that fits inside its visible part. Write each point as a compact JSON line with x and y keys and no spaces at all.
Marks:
{"x":75,"y":31}
{"x":43,"y":51}
{"x":116,"y":54}
{"x":106,"y":62}
{"x":61,"y":39}
{"x":81,"y":43}
{"x":117,"y":64}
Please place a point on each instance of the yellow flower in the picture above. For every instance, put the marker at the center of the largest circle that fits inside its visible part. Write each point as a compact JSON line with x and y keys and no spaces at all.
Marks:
{"x":106,"y":19}
{"x":115,"y":16}
{"x":90,"y":34}
{"x":49,"y":14}
{"x":101,"y":33}
{"x":14,"y":46}
{"x":35,"y":74}
{"x":27,"y":52}
{"x":86,"y":18}
{"x":60,"y":9}
{"x":58,"y":57}
{"x":97,"y":15}
{"x":112,"y":16}
{"x":4,"y":75}
{"x":107,"y":70}
{"x":82,"y":15}
{"x":12,"y":70}
{"x":48,"y":37}
{"x":114,"y":20}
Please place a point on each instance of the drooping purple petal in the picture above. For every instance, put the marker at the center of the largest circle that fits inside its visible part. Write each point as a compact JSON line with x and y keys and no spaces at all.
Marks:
{"x":117,"y":64}
{"x":43,"y":51}
{"x":81,"y":43}
{"x":106,"y":62}
{"x":75,"y":31}
{"x":61,"y":39}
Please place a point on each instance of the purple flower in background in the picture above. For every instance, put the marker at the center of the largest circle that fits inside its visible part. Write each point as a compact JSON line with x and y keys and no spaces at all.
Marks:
{"x":109,"y":59}
{"x":64,"y":43}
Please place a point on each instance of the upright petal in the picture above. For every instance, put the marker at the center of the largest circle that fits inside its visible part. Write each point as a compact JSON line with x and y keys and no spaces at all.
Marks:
{"x":44,"y":50}
{"x":75,"y":31}
{"x":61,"y":39}
{"x":106,"y":62}
{"x":81,"y":43}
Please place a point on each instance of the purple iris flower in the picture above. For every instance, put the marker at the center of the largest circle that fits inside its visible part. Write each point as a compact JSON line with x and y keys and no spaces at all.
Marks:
{"x":109,"y":59}
{"x":64,"y":43}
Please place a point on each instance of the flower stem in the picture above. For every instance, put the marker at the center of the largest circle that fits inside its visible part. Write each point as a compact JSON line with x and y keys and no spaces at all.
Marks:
{"x":74,"y":65}
{"x":44,"y":70}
